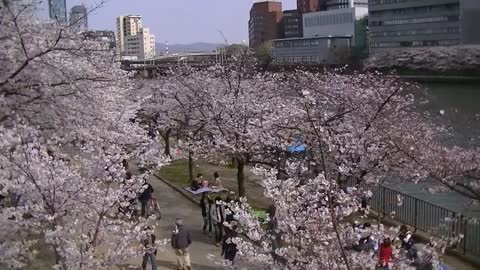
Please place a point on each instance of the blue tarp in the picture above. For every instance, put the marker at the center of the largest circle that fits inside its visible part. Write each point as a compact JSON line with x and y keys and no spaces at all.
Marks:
{"x":296,"y":148}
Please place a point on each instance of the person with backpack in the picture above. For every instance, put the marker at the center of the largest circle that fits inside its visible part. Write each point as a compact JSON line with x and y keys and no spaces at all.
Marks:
{"x":218,"y":217}
{"x":145,"y":196}
{"x":180,"y":242}
{"x":150,"y":250}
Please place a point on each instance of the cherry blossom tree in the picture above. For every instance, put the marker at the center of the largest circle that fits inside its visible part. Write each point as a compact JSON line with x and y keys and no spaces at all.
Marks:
{"x":234,"y":108}
{"x":355,"y":128}
{"x":65,"y":127}
{"x":176,"y":103}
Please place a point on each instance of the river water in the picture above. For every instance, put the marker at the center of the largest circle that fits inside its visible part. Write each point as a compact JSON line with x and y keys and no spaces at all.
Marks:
{"x":456,"y":106}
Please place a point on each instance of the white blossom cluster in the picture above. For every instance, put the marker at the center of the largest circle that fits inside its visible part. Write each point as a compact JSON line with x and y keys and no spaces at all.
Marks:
{"x":65,"y":127}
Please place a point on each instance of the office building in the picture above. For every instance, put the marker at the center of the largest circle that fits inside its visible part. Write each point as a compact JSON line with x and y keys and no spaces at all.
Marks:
{"x":292,"y":24}
{"x":265,"y":22}
{"x":79,"y":18}
{"x":104,"y":36}
{"x":333,"y":50}
{"x":423,"y":23}
{"x":339,"y":4}
{"x":58,"y":10}
{"x":133,"y":39}
{"x":306,"y":6}
{"x":336,"y":22}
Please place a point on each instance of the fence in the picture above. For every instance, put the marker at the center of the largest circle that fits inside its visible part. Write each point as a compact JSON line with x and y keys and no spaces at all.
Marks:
{"x":424,"y":216}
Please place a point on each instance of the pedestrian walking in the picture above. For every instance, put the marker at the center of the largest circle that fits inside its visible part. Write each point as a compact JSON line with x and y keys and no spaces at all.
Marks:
{"x":150,"y":250}
{"x":145,"y":196}
{"x":180,"y":242}
{"x":206,"y":204}
{"x":218,"y":217}
{"x":229,"y":248}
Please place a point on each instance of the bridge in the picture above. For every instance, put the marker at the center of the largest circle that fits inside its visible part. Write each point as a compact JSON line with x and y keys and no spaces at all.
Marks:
{"x":165,"y":62}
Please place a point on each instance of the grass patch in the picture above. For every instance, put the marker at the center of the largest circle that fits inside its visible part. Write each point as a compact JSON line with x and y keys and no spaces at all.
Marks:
{"x":177,"y":174}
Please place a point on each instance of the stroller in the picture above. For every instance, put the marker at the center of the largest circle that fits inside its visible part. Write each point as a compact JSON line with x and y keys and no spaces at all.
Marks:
{"x":153,"y":208}
{"x":129,"y":208}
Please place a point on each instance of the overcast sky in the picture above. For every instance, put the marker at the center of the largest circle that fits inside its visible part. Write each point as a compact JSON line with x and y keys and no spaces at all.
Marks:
{"x":180,"y":21}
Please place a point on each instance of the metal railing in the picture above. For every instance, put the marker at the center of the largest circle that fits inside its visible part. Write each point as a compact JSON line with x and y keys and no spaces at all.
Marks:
{"x":427,"y":217}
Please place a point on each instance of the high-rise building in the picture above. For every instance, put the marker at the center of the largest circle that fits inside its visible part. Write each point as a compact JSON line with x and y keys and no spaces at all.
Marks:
{"x":134,"y":40}
{"x":265,"y":22}
{"x":306,"y":6}
{"x":79,"y":18}
{"x":292,"y":23}
{"x":425,"y":23}
{"x":58,"y":10}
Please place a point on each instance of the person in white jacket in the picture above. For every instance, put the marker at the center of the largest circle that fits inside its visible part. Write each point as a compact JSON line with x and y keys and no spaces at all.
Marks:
{"x":217,"y":214}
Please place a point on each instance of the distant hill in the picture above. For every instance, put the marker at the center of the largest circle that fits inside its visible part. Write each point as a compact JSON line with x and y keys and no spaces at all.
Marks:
{"x":193,"y":47}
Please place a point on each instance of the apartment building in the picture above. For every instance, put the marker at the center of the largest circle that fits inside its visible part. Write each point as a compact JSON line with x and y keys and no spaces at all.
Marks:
{"x":133,"y":39}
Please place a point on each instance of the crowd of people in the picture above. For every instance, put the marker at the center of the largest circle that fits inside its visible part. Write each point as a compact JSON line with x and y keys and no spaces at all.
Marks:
{"x":384,"y":248}
{"x":214,"y":212}
{"x":216,"y":217}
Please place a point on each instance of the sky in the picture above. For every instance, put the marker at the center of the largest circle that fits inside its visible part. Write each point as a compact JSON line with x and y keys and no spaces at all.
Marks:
{"x":180,"y":21}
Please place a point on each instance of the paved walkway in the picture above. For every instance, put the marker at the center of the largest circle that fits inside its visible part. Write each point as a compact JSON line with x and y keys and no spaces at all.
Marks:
{"x":173,"y":206}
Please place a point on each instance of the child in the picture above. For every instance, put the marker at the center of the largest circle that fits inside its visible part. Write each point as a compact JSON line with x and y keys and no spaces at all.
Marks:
{"x":385,"y":254}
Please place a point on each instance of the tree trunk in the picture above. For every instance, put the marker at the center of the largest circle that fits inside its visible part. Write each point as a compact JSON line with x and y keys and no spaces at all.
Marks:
{"x":166,"y":139}
{"x":190,"y":165}
{"x":240,"y":177}
{"x":281,"y":165}
{"x":234,"y":163}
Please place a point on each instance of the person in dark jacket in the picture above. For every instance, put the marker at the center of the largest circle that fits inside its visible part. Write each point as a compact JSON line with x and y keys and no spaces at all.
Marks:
{"x":145,"y":197}
{"x":206,"y":204}
{"x":180,"y":242}
{"x":150,"y":251}
{"x":229,"y":249}
{"x":218,"y":217}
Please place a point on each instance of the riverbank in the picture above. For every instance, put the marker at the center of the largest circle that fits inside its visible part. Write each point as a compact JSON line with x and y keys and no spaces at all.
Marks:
{"x":450,"y":79}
